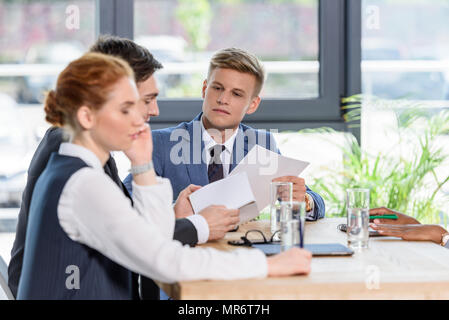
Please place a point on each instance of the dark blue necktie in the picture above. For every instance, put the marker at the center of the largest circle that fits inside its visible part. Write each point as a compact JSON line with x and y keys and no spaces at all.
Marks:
{"x":215,"y":167}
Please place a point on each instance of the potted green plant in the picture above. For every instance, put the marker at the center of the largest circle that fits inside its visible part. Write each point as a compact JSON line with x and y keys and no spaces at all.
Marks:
{"x":409,"y":184}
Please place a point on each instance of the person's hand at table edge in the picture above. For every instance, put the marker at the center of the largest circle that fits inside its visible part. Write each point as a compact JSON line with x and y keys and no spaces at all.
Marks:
{"x":290,"y":262}
{"x":411,"y":232}
{"x":402,"y":218}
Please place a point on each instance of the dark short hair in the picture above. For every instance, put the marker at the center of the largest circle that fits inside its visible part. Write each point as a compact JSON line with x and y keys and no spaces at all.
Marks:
{"x":139,"y":58}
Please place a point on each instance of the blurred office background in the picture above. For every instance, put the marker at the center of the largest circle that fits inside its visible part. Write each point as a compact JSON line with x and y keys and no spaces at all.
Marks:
{"x":316,"y":52}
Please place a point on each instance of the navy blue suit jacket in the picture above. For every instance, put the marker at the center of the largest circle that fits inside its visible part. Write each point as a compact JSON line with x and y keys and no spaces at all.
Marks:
{"x":178,"y":156}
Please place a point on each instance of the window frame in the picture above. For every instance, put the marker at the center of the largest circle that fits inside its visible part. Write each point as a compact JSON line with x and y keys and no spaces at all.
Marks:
{"x":115,"y":17}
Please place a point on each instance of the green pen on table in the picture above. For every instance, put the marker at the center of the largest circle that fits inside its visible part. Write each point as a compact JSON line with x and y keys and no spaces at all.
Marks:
{"x":387,"y":216}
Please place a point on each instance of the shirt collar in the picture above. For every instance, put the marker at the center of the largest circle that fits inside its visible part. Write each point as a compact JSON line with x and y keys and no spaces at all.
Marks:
{"x":209,"y":142}
{"x":74,"y":150}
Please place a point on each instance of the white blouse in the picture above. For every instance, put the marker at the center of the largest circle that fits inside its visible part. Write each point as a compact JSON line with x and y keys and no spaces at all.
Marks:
{"x":94,"y":211}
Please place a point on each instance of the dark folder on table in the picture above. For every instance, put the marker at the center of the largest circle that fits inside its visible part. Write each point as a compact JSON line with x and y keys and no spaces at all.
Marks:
{"x":317,"y":249}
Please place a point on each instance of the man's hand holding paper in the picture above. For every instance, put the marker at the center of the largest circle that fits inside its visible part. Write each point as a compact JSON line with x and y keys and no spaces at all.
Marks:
{"x":247,"y":186}
{"x":220,"y":220}
{"x":299,"y":186}
{"x":263,"y":166}
{"x":232,"y":192}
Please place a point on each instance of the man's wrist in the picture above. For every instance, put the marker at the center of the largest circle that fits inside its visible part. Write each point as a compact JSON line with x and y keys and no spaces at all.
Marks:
{"x":436,"y":234}
{"x":310,"y":205}
{"x":444,"y":238}
{"x":179,"y":212}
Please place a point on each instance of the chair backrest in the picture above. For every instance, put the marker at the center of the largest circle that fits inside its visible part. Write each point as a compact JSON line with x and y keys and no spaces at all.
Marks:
{"x":5,"y":292}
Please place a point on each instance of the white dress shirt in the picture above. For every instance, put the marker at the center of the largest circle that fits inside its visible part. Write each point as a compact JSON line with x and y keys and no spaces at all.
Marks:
{"x":94,"y":211}
{"x":200,"y":223}
{"x":201,"y":226}
{"x":226,"y":155}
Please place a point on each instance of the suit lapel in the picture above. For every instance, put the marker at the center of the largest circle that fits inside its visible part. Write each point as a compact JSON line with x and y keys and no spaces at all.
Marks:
{"x":195,"y":165}
{"x":241,"y":147}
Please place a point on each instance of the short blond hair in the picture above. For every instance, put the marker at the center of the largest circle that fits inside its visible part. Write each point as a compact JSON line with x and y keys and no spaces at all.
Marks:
{"x":239,"y":60}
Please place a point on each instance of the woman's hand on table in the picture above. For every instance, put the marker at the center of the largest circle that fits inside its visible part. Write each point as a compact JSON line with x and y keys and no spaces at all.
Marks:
{"x":290,"y":262}
{"x":402,"y":218}
{"x":411,"y":232}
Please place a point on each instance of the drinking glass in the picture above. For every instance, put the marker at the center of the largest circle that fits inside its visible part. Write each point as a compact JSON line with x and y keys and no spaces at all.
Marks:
{"x":279,"y":192}
{"x":357,"y":204}
{"x":293,"y":218}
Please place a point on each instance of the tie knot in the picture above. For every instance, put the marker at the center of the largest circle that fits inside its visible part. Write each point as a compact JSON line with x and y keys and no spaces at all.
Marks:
{"x":216,"y":150}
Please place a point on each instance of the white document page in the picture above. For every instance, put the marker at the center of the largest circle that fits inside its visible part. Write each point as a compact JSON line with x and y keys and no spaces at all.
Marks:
{"x":233,"y":192}
{"x":262,"y":166}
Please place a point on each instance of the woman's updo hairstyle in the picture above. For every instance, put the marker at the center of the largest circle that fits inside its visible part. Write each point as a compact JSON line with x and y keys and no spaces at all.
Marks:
{"x":85,"y":81}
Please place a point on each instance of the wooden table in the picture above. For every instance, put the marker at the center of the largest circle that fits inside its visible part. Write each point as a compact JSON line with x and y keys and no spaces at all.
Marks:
{"x":390,"y":269}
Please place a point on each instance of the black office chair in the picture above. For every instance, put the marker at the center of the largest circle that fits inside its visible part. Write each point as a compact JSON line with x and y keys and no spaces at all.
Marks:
{"x":5,"y":292}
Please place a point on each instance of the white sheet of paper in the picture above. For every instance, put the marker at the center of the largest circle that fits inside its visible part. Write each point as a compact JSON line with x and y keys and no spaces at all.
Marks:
{"x":233,"y":192}
{"x":248,"y":212}
{"x":262,"y":166}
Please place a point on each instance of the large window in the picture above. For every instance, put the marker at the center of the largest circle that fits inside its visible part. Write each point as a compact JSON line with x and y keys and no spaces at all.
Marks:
{"x":184,"y":35}
{"x":299,"y":41}
{"x":405,"y":49}
{"x":405,"y":52}
{"x":37,"y":40}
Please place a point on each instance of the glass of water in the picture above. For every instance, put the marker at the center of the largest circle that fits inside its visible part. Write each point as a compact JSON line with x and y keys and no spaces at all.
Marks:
{"x":279,"y":192}
{"x":293,"y":218}
{"x":357,"y":204}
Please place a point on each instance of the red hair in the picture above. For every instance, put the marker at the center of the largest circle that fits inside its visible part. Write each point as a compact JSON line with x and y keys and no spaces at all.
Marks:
{"x":85,"y":81}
